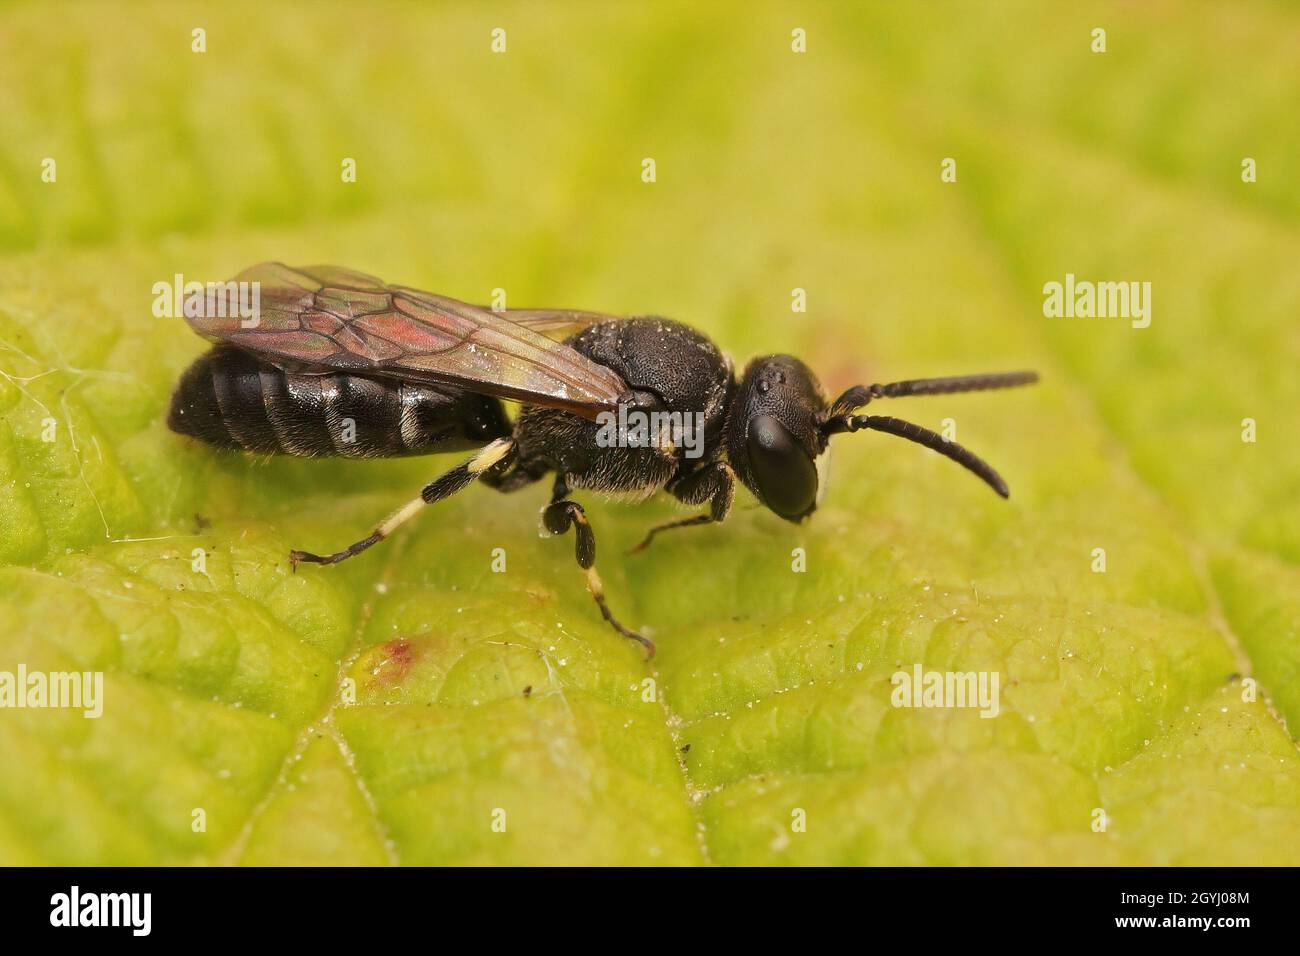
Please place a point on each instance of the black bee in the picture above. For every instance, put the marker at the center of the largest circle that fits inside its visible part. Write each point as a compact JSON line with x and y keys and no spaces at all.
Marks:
{"x":336,"y":363}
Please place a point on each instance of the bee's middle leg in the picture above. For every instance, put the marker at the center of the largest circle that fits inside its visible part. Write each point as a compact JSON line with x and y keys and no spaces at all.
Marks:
{"x":558,"y":517}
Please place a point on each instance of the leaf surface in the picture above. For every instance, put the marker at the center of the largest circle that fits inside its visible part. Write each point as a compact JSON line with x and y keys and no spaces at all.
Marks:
{"x":414,"y":706}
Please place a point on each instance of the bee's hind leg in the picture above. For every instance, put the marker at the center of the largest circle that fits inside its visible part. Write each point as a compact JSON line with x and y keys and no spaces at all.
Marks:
{"x":444,"y":486}
{"x":558,"y":517}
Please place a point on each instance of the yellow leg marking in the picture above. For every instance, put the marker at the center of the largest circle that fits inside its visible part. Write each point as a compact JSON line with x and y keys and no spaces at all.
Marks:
{"x":400,"y":516}
{"x":597,"y":589}
{"x":436,"y":490}
{"x":489,"y":456}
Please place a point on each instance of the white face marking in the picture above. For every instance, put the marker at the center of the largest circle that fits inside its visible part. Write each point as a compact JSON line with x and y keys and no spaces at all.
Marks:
{"x":823,"y":465}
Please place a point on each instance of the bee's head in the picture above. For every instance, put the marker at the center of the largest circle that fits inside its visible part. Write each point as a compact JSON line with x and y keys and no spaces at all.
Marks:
{"x":774,"y":435}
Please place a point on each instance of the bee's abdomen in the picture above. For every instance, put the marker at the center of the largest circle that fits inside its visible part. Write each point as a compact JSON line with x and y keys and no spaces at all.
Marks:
{"x":230,"y":399}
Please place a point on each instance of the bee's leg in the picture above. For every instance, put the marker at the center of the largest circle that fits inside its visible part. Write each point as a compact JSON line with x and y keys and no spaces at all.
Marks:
{"x":714,"y":483}
{"x":442,"y":487}
{"x":520,"y":474}
{"x":558,"y":516}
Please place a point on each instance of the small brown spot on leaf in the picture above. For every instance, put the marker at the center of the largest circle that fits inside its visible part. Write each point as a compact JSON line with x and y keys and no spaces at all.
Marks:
{"x":398,"y":655}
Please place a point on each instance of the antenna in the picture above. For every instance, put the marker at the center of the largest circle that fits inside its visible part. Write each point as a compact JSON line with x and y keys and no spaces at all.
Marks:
{"x":931,"y":440}
{"x":840,"y":418}
{"x":860,"y":395}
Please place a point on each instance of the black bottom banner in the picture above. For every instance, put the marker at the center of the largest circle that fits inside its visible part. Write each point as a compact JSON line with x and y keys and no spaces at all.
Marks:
{"x":367,"y":906}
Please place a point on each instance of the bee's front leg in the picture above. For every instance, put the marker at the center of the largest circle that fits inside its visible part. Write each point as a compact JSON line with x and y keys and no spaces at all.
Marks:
{"x":715,"y":483}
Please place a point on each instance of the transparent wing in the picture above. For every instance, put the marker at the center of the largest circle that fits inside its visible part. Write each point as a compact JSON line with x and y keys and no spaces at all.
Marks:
{"x":333,"y":318}
{"x":557,"y":324}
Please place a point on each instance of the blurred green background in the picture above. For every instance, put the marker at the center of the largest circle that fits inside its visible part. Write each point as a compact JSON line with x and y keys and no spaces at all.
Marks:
{"x":384,"y":711}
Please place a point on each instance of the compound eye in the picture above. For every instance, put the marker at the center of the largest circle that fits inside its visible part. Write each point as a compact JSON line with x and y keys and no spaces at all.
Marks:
{"x":785,"y":475}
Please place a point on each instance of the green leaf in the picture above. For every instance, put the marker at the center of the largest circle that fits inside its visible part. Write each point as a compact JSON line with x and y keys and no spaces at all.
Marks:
{"x":401,"y":707}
